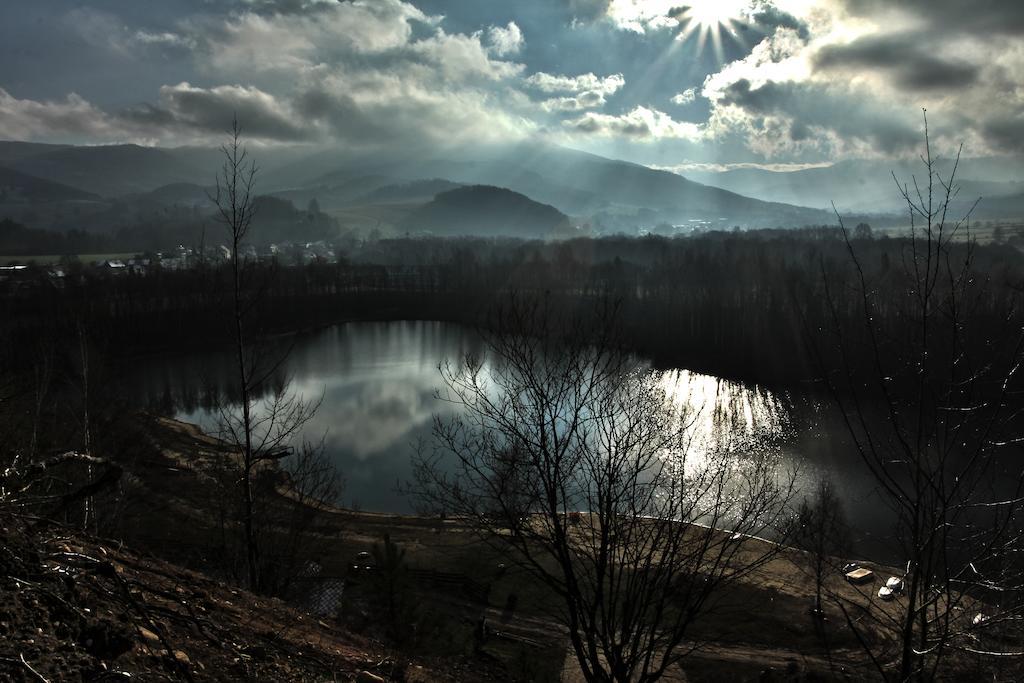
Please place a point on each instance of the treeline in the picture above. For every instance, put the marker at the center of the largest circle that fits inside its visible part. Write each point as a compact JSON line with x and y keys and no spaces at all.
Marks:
{"x":145,"y":226}
{"x":18,"y":240}
{"x":743,"y":305}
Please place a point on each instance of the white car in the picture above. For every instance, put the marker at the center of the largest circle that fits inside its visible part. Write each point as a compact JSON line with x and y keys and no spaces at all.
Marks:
{"x":895,"y":584}
{"x":886,"y":593}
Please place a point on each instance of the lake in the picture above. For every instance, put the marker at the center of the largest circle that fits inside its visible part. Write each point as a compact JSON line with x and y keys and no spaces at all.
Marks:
{"x":378,"y":380}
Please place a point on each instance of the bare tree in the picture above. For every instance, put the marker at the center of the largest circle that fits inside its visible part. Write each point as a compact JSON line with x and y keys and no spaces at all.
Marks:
{"x":822,"y":533}
{"x":931,"y":420}
{"x":36,"y":478}
{"x":567,"y":456}
{"x":268,"y":417}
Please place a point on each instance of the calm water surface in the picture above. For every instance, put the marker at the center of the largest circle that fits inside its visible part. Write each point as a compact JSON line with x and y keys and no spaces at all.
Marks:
{"x":378,"y":382}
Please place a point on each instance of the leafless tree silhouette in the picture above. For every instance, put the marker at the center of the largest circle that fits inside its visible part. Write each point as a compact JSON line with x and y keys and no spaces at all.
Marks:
{"x":567,"y":455}
{"x":268,"y":417}
{"x":933,"y":421}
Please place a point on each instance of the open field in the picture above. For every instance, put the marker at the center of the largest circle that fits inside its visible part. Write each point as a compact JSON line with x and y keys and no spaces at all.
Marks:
{"x":50,"y":259}
{"x":382,"y":217}
{"x":986,"y":232}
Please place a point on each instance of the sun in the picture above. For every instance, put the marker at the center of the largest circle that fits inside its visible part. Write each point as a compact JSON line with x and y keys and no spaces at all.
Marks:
{"x":710,"y":14}
{"x":710,"y":19}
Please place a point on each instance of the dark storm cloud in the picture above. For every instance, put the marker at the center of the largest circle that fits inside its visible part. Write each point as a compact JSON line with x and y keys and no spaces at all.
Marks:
{"x":766,"y":17}
{"x":910,"y":63}
{"x":347,"y":119}
{"x":198,"y":111}
{"x":1007,"y":131}
{"x":810,"y":109}
{"x":971,"y":16}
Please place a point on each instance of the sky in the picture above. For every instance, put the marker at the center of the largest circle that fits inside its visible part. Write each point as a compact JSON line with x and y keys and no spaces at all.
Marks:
{"x":713,"y":84}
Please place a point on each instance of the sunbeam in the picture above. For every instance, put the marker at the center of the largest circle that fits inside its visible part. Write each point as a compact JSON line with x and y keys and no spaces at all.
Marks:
{"x":709,"y":19}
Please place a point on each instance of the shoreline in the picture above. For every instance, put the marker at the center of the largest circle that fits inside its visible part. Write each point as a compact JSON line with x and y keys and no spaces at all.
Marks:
{"x":195,"y":431}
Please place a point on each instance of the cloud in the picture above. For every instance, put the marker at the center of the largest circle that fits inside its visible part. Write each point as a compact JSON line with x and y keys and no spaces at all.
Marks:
{"x":641,"y":16}
{"x":549,"y":83}
{"x":776,"y":101}
{"x":182,"y":112}
{"x":506,"y":40}
{"x":105,"y":31}
{"x":767,"y":17}
{"x":163,"y":38}
{"x":386,"y":110}
{"x":585,"y":100}
{"x":791,"y":117}
{"x":288,"y":6}
{"x":325,"y":34}
{"x":191,"y":111}
{"x":585,"y":91}
{"x":901,"y":57}
{"x":454,"y":58}
{"x":363,"y":73}
{"x":980,"y":17}
{"x":853,"y":80}
{"x":1006,"y":130}
{"x":796,"y":81}
{"x":74,"y":117}
{"x":641,"y":123}
{"x":685,"y":97}
{"x":690,"y":166}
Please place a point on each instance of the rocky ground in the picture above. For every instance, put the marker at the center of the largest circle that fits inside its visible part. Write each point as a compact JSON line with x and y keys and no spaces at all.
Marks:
{"x":77,"y":608}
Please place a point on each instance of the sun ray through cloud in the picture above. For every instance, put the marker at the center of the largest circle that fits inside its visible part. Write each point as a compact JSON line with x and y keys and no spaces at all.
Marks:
{"x":708,"y":20}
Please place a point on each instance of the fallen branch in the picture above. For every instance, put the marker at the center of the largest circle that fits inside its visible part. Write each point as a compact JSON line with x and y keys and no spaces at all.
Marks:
{"x":29,"y":667}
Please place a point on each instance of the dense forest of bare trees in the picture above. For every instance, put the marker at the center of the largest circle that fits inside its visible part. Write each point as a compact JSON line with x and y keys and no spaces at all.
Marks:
{"x":735,"y":304}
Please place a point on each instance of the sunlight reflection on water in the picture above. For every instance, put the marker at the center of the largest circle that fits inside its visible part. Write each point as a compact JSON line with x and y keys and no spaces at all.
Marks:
{"x":378,"y":383}
{"x":725,"y":416}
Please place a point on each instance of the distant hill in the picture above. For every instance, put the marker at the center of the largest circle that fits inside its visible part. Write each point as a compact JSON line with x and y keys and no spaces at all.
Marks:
{"x":335,"y":190}
{"x":11,"y":150}
{"x":991,"y":208}
{"x":609,"y":195}
{"x":111,"y":170}
{"x":863,"y":185}
{"x":180,"y":194}
{"x":577,"y":183}
{"x":508,"y":172}
{"x":584,"y":185}
{"x":627,"y":185}
{"x":487,"y":210}
{"x":18,"y":188}
{"x":278,"y":220}
{"x":415,"y":191}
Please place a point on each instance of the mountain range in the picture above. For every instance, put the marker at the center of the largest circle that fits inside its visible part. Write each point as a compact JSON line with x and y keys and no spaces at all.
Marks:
{"x":869,"y":186}
{"x":22,"y":188}
{"x":444,"y":192}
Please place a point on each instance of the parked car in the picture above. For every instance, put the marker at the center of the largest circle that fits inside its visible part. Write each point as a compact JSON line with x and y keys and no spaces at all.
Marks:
{"x":363,"y":561}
